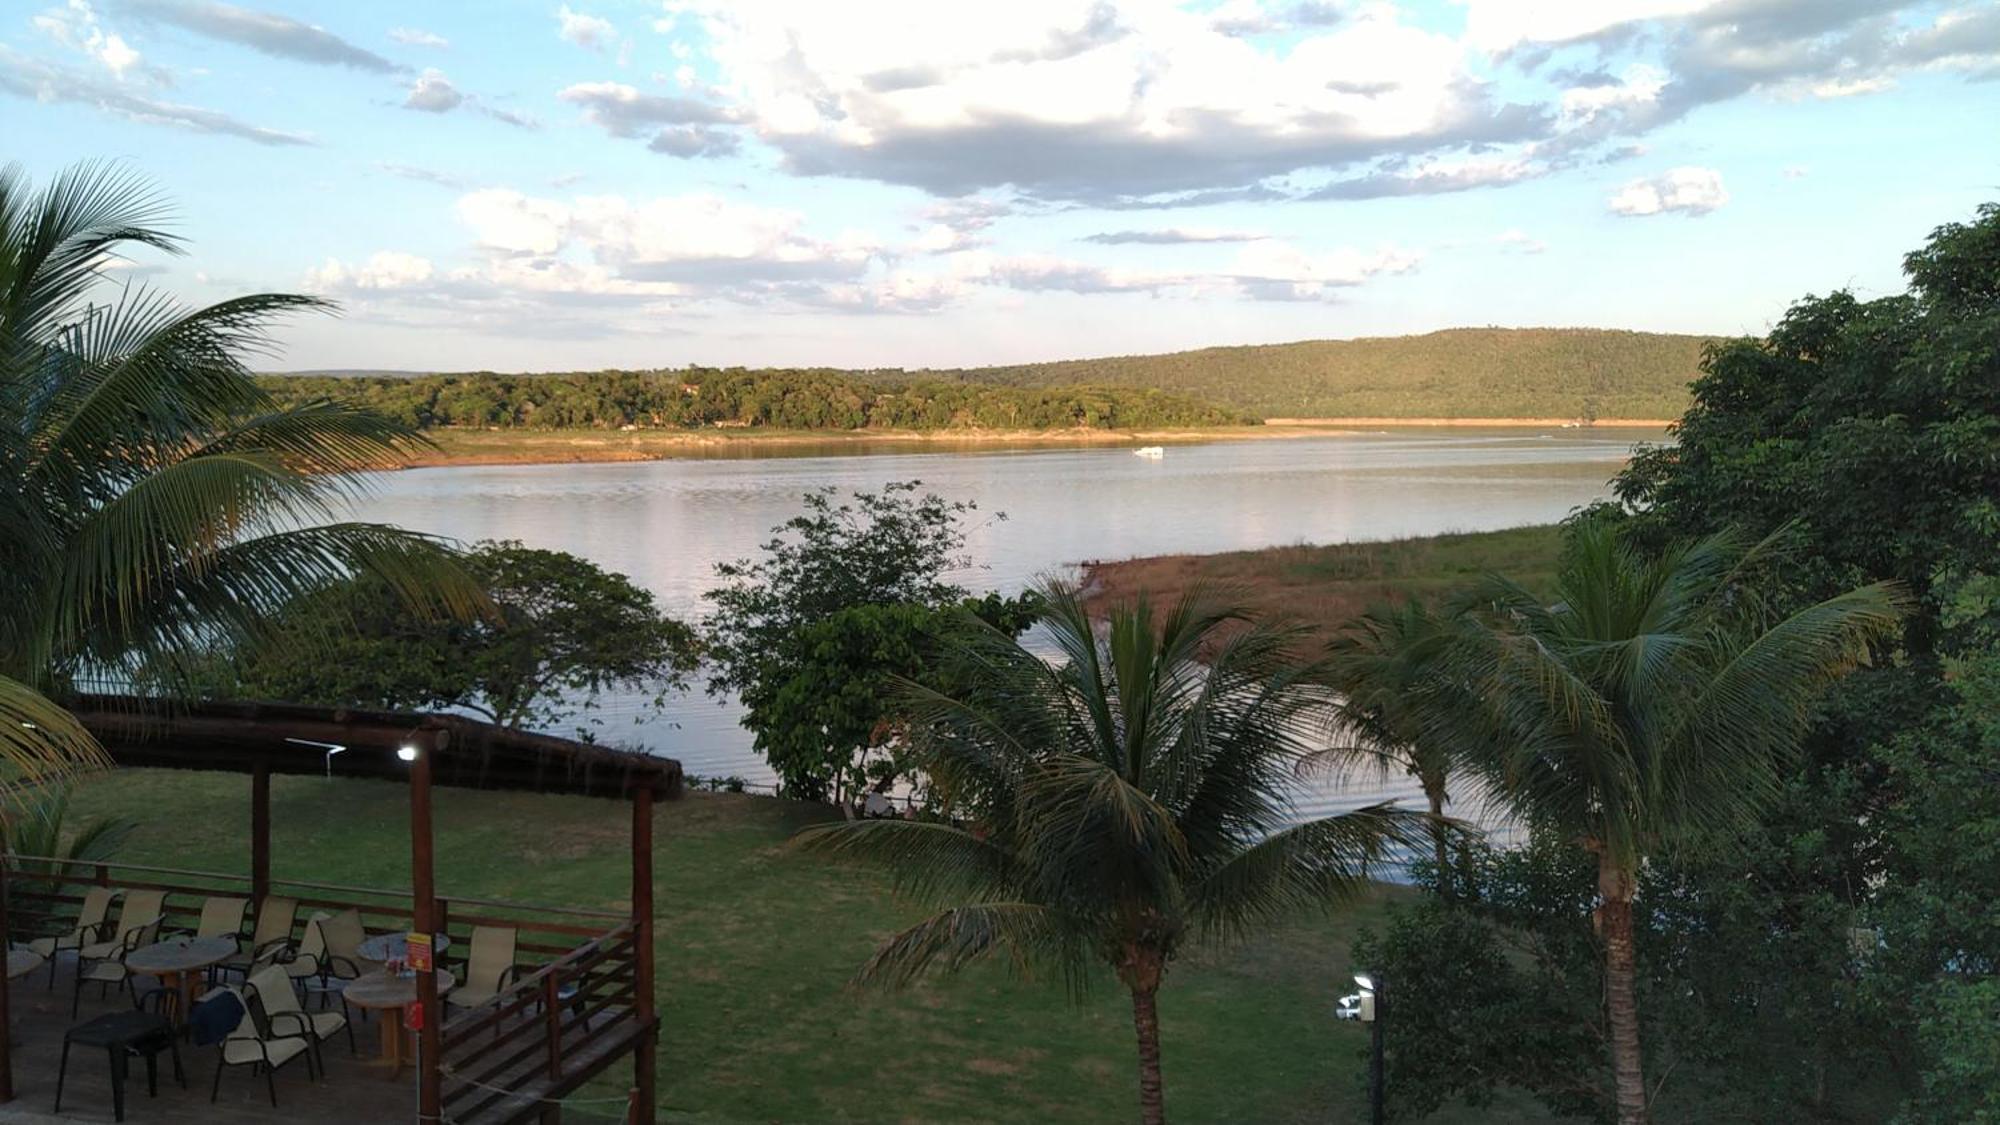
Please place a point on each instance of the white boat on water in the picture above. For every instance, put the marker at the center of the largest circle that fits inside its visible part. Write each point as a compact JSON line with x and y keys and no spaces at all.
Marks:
{"x":1150,"y":452}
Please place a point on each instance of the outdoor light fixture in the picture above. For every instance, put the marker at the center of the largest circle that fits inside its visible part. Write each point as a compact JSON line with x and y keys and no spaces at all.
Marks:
{"x":407,"y":751}
{"x":1373,"y":1008}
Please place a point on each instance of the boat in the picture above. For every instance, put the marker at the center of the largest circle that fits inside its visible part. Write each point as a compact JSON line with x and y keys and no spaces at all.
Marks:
{"x":1150,"y":452}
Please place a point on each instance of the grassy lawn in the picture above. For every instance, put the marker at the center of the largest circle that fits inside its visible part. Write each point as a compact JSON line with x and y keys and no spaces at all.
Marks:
{"x":1324,"y":586}
{"x":757,"y":945}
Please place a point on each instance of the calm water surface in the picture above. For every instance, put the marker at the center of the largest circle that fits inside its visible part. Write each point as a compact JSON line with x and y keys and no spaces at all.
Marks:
{"x":667,"y":523}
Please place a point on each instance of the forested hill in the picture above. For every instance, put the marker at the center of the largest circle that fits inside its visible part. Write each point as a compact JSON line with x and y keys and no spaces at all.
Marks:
{"x":778,"y":399}
{"x":1456,"y":373}
{"x":1459,"y":373}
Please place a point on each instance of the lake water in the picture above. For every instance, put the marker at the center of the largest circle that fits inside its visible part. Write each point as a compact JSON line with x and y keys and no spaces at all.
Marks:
{"x":667,"y":523}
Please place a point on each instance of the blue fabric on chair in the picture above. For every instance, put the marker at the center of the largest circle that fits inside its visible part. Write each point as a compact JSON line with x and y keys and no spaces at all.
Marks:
{"x":213,"y":1019}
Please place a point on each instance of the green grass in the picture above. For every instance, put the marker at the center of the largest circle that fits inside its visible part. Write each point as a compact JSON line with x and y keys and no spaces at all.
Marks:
{"x":757,"y":945}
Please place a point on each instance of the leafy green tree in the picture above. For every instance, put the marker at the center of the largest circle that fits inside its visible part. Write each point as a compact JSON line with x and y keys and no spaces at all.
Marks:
{"x":154,"y":493}
{"x":1651,"y":707}
{"x":1492,"y":989}
{"x":1961,"y":1078}
{"x":776,"y":630}
{"x":837,"y":714}
{"x":1117,"y":805}
{"x":562,"y":632}
{"x":1870,"y":429}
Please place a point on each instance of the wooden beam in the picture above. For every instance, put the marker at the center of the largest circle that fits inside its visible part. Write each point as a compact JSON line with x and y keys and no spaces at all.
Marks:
{"x":644,"y":1061}
{"x":423,"y":892}
{"x":260,"y":833}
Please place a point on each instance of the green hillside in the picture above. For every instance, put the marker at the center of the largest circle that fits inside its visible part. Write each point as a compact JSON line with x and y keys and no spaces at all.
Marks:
{"x":1456,"y":373}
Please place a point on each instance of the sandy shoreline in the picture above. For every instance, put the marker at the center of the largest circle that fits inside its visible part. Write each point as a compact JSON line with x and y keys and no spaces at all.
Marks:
{"x":561,"y":447}
{"x":1493,"y":423}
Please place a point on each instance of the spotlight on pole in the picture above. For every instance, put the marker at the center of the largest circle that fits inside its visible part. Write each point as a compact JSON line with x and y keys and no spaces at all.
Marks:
{"x":1374,"y":1006}
{"x":407,"y":752}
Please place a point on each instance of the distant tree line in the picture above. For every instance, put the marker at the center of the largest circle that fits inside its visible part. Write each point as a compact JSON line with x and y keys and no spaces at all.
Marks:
{"x":784,"y":399}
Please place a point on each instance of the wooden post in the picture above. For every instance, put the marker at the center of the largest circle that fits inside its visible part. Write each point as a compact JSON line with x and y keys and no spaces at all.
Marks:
{"x":260,"y":834}
{"x":423,"y":891}
{"x":6,"y":987}
{"x":643,"y":1061}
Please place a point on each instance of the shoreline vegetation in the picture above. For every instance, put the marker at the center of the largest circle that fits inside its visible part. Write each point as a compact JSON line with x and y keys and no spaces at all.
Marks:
{"x":464,"y":446}
{"x":1322,"y":587}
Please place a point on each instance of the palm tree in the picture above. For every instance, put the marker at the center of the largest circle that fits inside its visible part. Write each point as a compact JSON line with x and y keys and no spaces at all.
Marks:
{"x":155,"y":498}
{"x":1119,"y":804}
{"x":1651,"y":706}
{"x":1400,"y":702}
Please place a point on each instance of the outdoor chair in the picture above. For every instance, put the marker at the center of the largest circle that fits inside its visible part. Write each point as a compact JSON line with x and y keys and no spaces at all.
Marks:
{"x":272,"y":939}
{"x":489,"y":966}
{"x":308,"y":961}
{"x":221,"y":917}
{"x":340,"y":938}
{"x":255,"y":1043}
{"x":104,"y":963}
{"x":135,"y":909}
{"x":89,"y":926}
{"x":281,"y":1004}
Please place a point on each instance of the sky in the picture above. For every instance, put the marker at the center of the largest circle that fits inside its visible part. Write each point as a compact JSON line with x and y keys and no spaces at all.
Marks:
{"x":524,"y":186}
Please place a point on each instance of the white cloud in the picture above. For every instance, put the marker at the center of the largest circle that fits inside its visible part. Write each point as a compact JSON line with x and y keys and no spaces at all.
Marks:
{"x":1520,"y":241}
{"x":696,"y":238}
{"x":1279,"y":271}
{"x":432,"y":92}
{"x":28,"y":77}
{"x":1091,"y":101}
{"x":1173,"y":236}
{"x":417,"y":37}
{"x":75,"y":25}
{"x":265,"y":32}
{"x":384,"y":270}
{"x":1687,"y":190}
{"x":593,"y":33}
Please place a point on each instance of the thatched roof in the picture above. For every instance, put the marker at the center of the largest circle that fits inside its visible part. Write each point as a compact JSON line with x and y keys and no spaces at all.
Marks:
{"x":292,"y":737}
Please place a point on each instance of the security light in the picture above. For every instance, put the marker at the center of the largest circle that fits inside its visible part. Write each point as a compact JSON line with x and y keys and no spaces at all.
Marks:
{"x":407,"y":752}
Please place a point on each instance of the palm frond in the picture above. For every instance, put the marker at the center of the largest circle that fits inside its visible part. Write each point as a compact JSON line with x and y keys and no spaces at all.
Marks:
{"x":950,"y":940}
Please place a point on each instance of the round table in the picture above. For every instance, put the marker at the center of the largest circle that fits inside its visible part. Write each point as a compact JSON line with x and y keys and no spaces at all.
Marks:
{"x":21,"y":962}
{"x":180,"y":963}
{"x":389,"y":995}
{"x":395,"y":947}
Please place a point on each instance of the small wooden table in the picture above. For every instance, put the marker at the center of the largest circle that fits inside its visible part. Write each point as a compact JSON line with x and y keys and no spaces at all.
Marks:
{"x":21,"y":962}
{"x":388,"y":995}
{"x":180,"y":963}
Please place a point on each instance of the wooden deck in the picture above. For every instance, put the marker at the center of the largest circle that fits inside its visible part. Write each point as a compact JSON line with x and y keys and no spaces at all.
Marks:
{"x":352,"y":1092}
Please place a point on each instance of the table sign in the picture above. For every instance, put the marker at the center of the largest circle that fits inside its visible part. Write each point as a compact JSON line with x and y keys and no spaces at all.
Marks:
{"x":420,"y":953}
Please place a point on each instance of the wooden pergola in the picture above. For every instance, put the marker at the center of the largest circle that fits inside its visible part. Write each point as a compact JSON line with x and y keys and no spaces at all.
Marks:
{"x":426,"y":751}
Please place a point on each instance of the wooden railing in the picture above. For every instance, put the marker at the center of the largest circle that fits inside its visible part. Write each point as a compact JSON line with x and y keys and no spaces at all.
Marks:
{"x":547,"y":1034}
{"x":568,"y":1013}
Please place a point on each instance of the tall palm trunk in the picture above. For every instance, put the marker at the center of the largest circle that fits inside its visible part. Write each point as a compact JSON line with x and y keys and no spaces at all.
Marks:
{"x":1146,"y":1021}
{"x":1614,"y":926}
{"x":1434,"y":793}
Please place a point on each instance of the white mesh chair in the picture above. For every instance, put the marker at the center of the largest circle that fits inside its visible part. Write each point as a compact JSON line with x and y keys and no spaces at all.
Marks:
{"x":90,"y":926}
{"x":489,"y":966}
{"x":274,"y":987}
{"x":103,"y":964}
{"x":271,"y":941}
{"x":259,"y":1045}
